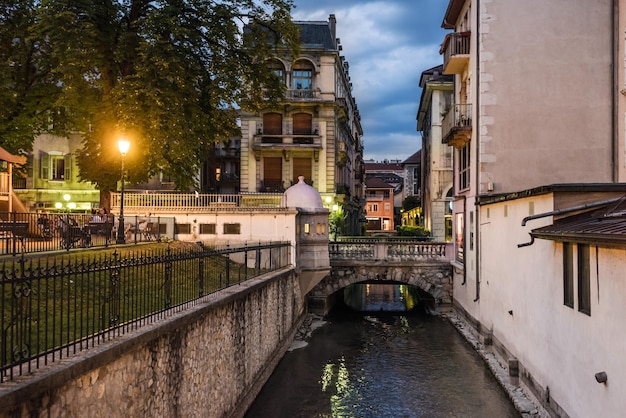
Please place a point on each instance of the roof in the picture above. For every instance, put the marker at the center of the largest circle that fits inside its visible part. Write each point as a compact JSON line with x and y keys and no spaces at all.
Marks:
{"x":383,"y":167}
{"x":414,"y":159}
{"x":375,"y":183}
{"x":8,"y":157}
{"x":316,"y":35}
{"x":603,"y":227}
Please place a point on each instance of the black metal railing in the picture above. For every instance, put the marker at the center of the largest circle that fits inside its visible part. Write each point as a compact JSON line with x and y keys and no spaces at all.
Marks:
{"x":54,"y":309}
{"x":22,"y":233}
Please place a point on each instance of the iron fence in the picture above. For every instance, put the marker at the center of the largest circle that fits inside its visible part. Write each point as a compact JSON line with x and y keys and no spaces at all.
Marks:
{"x":53,"y":309}
{"x":22,"y":233}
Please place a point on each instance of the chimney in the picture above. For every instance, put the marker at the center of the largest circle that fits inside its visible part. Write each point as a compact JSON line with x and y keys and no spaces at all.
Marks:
{"x":333,"y":27}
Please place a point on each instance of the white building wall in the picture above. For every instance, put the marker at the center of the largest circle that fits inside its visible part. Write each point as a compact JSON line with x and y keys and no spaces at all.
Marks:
{"x":521,"y":302}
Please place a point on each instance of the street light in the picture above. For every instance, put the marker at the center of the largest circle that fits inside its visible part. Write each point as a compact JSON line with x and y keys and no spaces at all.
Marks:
{"x":123,"y":145}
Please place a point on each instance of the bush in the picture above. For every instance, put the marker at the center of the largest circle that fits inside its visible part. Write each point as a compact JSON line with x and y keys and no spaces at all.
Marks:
{"x":413,"y":231}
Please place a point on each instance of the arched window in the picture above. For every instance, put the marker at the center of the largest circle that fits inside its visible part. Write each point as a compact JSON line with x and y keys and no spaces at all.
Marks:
{"x":302,"y":76}
{"x":278,"y":69}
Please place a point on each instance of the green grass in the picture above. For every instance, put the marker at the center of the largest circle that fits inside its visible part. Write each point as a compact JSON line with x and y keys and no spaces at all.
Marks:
{"x":93,"y":290}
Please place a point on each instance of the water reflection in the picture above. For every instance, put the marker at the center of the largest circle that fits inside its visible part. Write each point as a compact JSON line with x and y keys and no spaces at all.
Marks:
{"x":382,"y":365}
{"x":377,"y":297}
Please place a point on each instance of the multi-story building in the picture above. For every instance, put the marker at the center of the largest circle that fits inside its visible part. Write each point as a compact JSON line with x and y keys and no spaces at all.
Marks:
{"x":537,"y":132}
{"x":315,"y":133}
{"x":392,"y":173}
{"x":52,"y":181}
{"x":380,"y":207}
{"x":436,"y":157}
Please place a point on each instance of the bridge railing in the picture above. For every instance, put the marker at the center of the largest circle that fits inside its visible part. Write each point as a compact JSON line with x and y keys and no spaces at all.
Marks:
{"x":388,"y":250}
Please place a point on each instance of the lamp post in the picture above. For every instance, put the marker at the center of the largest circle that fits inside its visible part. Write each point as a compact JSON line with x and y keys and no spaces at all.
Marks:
{"x":123,"y":145}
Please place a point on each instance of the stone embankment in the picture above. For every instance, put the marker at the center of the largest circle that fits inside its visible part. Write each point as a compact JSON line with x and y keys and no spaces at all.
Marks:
{"x":527,"y":405}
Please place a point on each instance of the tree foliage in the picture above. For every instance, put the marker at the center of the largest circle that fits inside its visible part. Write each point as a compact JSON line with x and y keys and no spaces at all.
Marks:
{"x":411,"y":202}
{"x":169,"y":75}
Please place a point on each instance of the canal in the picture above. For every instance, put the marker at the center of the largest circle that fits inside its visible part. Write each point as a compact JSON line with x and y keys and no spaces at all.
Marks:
{"x":374,"y":358}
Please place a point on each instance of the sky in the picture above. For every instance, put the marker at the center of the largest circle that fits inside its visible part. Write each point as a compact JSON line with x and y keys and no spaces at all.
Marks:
{"x":388,"y":43}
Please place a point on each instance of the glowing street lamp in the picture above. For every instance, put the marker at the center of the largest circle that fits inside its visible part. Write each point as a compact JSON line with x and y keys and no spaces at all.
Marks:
{"x":123,"y":145}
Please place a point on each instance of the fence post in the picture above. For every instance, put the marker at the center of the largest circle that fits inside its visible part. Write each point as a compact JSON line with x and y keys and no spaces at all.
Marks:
{"x":201,"y":277}
{"x":167,"y":285}
{"x":114,"y":291}
{"x":227,"y":269}
{"x":257,"y":262}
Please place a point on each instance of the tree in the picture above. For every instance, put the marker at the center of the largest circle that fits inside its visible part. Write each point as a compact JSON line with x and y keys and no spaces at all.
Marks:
{"x":337,"y":222}
{"x":167,"y":74}
{"x":28,"y":89}
{"x":411,"y":202}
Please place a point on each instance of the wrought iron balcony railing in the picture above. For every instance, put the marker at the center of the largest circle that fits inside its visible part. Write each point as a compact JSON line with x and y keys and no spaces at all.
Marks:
{"x":457,"y":125}
{"x":455,"y":50}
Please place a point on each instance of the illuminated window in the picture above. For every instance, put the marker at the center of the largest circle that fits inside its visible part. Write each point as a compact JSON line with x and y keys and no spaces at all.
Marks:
{"x":464,"y":167}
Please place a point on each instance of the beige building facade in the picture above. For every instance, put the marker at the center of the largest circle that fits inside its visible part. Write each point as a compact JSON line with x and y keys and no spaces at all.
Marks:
{"x":436,"y":157}
{"x":315,"y":133}
{"x":537,"y":130}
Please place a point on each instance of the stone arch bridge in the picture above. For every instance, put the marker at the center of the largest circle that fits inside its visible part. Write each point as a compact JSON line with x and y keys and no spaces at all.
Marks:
{"x":425,"y":265}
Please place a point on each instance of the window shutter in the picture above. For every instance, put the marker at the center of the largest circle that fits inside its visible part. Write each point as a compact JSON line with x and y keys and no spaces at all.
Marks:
{"x":273,"y":124}
{"x":273,"y":168}
{"x":44,"y":165}
{"x":302,"y":167}
{"x":302,"y":123}
{"x":68,"y":167}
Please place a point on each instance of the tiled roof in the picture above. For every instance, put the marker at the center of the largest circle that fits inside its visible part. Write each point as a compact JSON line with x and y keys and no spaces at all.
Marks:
{"x":374,"y":183}
{"x":606,"y":226}
{"x":316,"y":35}
{"x":414,"y":159}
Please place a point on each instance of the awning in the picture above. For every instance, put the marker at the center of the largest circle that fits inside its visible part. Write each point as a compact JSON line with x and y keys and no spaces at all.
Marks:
{"x":14,"y":159}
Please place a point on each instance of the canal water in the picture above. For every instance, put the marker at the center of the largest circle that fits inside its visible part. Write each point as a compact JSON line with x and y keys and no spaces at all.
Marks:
{"x":382,"y":362}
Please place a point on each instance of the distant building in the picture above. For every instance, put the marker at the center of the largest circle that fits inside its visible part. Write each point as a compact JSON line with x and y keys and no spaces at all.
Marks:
{"x":52,"y":181}
{"x":380,"y":206}
{"x":436,"y":157}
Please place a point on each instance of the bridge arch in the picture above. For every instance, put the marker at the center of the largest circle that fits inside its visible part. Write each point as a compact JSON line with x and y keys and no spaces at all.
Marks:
{"x":434,"y":278}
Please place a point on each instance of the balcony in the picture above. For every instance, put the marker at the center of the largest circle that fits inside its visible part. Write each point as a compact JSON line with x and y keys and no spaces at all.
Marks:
{"x":455,"y":50}
{"x":456,"y":126}
{"x":294,"y":141}
{"x":305,"y":95}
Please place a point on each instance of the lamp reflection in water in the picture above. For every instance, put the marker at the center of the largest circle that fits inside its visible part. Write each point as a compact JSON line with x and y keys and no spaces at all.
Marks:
{"x":123,"y":145}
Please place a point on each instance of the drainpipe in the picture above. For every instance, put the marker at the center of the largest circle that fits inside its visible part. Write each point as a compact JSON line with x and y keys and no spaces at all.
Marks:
{"x":477,"y":136}
{"x":563,"y":211}
{"x":616,"y":91}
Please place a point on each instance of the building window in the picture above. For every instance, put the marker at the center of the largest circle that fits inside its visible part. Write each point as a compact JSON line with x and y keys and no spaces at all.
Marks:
{"x":584,"y":280}
{"x":464,"y":167}
{"x":374,"y":207}
{"x":272,"y":124}
{"x":276,"y":68}
{"x":207,"y":229}
{"x":182,"y":228}
{"x":580,"y":260}
{"x":387,"y":207}
{"x":302,"y":124}
{"x":568,"y":274}
{"x":302,"y":79}
{"x":55,"y":166}
{"x":232,"y":229}
{"x":459,"y":236}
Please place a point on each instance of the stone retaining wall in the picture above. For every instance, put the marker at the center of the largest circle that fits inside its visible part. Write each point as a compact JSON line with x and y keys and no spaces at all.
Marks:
{"x":208,"y":361}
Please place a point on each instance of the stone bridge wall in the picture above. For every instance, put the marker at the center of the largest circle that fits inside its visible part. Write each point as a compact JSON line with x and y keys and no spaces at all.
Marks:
{"x":207,"y":361}
{"x":433,"y":277}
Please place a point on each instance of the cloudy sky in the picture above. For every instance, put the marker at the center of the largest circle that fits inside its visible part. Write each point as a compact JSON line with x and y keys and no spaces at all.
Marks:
{"x":388,"y":43}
